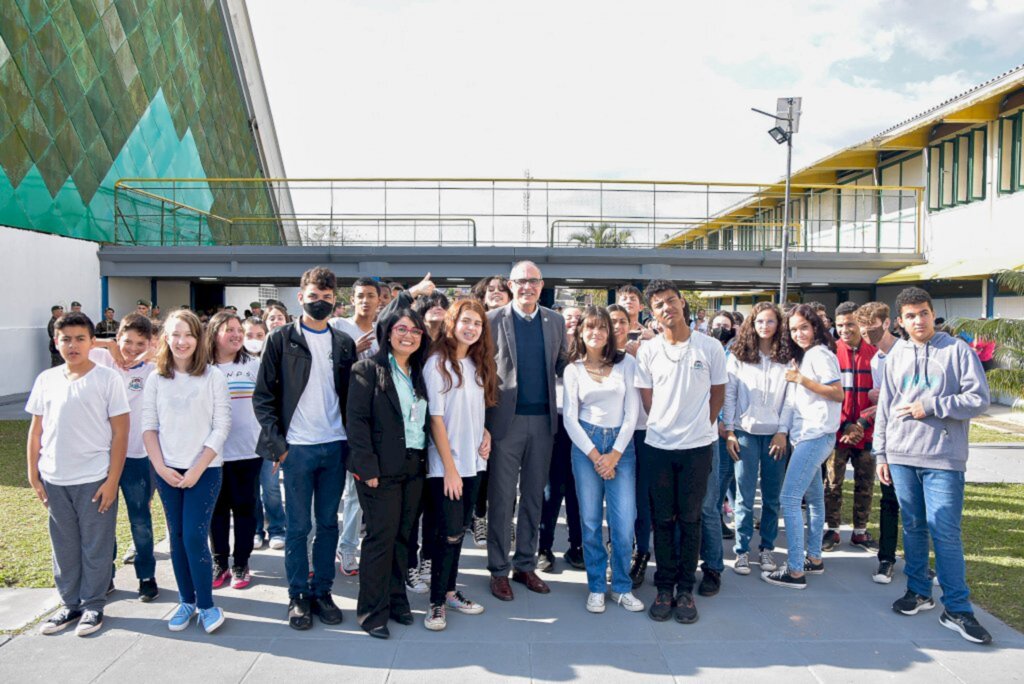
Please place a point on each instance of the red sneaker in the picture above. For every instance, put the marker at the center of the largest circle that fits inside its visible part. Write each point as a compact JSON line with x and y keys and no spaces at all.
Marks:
{"x":221,"y":576}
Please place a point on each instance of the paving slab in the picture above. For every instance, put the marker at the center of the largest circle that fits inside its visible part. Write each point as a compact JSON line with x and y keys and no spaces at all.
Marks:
{"x":19,"y":607}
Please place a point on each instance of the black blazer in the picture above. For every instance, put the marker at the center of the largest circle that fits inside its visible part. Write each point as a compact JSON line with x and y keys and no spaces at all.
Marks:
{"x":376,"y":429}
{"x":284,"y":372}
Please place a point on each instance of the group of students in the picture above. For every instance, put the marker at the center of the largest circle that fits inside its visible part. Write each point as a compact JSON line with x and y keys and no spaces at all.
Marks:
{"x":464,"y":416}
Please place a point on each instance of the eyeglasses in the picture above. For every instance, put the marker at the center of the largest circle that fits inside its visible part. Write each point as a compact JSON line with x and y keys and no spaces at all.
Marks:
{"x":402,"y":331}
{"x":523,"y":282}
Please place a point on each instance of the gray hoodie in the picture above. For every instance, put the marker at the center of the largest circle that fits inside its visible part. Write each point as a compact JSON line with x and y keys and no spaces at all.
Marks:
{"x":946,"y":376}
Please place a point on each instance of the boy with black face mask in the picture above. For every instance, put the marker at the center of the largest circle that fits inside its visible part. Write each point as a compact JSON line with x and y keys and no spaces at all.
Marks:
{"x":300,"y":398}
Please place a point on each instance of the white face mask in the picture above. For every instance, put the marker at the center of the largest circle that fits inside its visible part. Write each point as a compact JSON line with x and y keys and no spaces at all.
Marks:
{"x":253,"y":346}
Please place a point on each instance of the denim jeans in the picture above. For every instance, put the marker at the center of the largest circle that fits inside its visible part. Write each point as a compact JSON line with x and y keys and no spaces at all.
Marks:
{"x":272,"y":510}
{"x":620,"y":493}
{"x":644,"y":519}
{"x":804,"y":477}
{"x":754,"y":456}
{"x":711,"y":517}
{"x":314,"y":476}
{"x":726,"y":474}
{"x":137,"y":489}
{"x":932,"y":504}
{"x":188,"y":513}
{"x":351,"y":517}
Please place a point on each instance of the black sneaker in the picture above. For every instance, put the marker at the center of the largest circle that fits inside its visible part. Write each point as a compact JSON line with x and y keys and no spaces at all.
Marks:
{"x":60,"y":621}
{"x":686,"y":609}
{"x":727,"y":532}
{"x":782,"y":578}
{"x":710,"y":583}
{"x":912,"y":603}
{"x":638,"y":571}
{"x":574,"y":557}
{"x":148,"y":590}
{"x":864,"y":541}
{"x":829,"y":540}
{"x":300,"y":614}
{"x":326,"y":610}
{"x":966,"y":625}
{"x":90,"y":621}
{"x":661,"y":609}
{"x":884,"y":573}
{"x":814,"y":568}
{"x":545,"y":561}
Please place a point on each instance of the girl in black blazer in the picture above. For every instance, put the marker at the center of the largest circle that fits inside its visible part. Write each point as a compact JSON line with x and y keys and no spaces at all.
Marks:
{"x":387,"y":437}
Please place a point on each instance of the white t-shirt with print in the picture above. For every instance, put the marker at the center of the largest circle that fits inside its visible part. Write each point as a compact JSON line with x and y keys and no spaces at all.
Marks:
{"x":134,"y":380}
{"x":462,"y":408}
{"x":317,"y":417}
{"x":76,"y":423}
{"x":680,"y":377}
{"x":245,"y":431}
{"x":813,"y":414}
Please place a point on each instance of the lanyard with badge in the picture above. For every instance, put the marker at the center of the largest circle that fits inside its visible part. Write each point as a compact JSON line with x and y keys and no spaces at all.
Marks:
{"x":414,"y":414}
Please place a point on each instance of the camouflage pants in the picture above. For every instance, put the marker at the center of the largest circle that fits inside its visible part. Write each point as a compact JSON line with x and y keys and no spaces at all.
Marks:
{"x":863,"y":484}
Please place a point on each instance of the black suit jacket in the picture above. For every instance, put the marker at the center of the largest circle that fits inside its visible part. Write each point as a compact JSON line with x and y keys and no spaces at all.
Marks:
{"x":376,"y":429}
{"x":284,"y":372}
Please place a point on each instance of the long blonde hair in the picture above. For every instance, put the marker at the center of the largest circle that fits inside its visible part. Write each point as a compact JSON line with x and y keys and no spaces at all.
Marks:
{"x":164,"y":357}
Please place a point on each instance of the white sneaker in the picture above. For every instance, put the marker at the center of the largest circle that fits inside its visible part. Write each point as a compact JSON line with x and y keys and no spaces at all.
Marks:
{"x":348,"y":564}
{"x":277,"y":543}
{"x":436,"y":618}
{"x":413,"y":582}
{"x":424,"y":570}
{"x":459,"y":602}
{"x":595,"y":603}
{"x":627,"y":601}
{"x":767,"y":561}
{"x":742,"y":564}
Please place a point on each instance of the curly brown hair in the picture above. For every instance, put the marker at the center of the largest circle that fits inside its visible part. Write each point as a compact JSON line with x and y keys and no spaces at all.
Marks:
{"x":747,"y":347}
{"x":821,"y":334}
{"x":482,"y":351}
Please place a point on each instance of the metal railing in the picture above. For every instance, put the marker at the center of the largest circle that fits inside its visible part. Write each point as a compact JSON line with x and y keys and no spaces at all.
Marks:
{"x":460,"y":212}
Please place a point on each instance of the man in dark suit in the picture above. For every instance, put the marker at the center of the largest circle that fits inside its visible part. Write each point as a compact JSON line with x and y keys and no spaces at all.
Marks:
{"x":529,"y":342}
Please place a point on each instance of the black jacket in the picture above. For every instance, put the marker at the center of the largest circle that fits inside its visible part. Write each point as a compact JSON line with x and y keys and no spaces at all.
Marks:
{"x":284,"y":372}
{"x":376,"y":429}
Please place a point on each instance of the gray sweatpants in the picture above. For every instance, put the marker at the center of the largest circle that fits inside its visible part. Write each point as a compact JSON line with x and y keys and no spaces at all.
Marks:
{"x":82,"y":539}
{"x":520,"y":460}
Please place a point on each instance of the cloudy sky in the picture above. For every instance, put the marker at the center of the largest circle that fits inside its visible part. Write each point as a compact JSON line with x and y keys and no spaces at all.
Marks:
{"x":595,"y":89}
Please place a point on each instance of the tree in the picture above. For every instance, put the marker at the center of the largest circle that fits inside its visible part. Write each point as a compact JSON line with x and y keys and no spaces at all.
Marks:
{"x":1008,"y":334}
{"x":601,"y":235}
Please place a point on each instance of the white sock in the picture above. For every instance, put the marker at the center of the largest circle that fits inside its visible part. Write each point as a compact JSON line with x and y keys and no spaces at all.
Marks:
{"x":860,"y":530}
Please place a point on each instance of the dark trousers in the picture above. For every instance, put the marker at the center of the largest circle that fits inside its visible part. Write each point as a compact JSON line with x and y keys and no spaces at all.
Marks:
{"x":644,"y":525}
{"x":425,"y":524}
{"x":389,"y":510}
{"x":888,"y":524}
{"x":481,"y":495}
{"x":239,"y":496}
{"x":188,"y":513}
{"x":679,"y":481}
{"x":451,"y":516}
{"x":314,"y":477}
{"x":561,"y":485}
{"x":137,"y":486}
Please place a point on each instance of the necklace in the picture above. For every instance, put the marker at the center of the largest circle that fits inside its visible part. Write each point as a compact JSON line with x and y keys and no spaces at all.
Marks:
{"x":682,"y":355}
{"x":601,"y":371}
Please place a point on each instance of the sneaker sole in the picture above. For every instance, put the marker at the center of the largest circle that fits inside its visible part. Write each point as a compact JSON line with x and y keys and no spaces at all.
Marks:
{"x":475,"y":610}
{"x":881,"y":579}
{"x":637,"y":607}
{"x":435,"y":627}
{"x":182,"y":627}
{"x":210,"y":629}
{"x":959,"y":630}
{"x":741,"y":570}
{"x":685,"y":620}
{"x":348,"y":573}
{"x":786,"y":585}
{"x":149,"y":599}
{"x":596,"y":609}
{"x":418,"y":589}
{"x":241,"y":585}
{"x":815,"y":571}
{"x":275,"y":547}
{"x":917,"y":609}
{"x":86,"y":631}
{"x":55,"y":630}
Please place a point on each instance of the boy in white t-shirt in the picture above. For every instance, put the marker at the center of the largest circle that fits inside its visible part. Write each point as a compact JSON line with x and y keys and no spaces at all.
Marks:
{"x":75,"y":453}
{"x":127,"y":355}
{"x":681,"y":377}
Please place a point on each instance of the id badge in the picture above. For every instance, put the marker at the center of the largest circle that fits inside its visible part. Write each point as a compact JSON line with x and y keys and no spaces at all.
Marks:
{"x":414,"y":414}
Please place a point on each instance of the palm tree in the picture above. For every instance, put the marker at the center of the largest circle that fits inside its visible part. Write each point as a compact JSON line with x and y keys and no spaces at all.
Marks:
{"x":1008,"y":334}
{"x":601,"y":235}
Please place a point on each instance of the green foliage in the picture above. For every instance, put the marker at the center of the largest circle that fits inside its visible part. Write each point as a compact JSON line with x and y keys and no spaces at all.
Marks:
{"x":1008,"y":334}
{"x":601,"y":235}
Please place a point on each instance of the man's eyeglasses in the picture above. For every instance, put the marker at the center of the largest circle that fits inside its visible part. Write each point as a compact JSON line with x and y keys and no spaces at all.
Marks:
{"x":523,"y":282}
{"x":403,"y":330}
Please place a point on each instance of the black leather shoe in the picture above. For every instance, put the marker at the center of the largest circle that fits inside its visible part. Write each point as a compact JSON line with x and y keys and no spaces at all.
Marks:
{"x":402,"y":617}
{"x":378,"y":632}
{"x":300,"y":615}
{"x":324,"y":607}
{"x":574,"y":557}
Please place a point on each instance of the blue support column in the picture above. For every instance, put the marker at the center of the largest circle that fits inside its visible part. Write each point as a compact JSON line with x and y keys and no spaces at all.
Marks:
{"x":104,"y":296}
{"x":547,"y":297}
{"x":152,"y":292}
{"x":611,"y":295}
{"x":990,"y":297}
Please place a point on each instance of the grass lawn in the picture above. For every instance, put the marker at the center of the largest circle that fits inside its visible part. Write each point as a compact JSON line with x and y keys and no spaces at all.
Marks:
{"x":984,"y":435}
{"x":24,"y":540}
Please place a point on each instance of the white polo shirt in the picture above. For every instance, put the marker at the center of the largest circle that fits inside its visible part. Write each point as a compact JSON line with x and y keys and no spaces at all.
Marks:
{"x":680,"y":376}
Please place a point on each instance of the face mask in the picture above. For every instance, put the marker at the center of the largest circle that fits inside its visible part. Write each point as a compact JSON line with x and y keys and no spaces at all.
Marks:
{"x":253,"y":346}
{"x":319,"y":310}
{"x":875,"y":336}
{"x":723,"y":335}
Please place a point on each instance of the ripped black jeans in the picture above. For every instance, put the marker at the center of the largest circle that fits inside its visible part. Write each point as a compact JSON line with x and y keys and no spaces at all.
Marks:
{"x":451,"y":518}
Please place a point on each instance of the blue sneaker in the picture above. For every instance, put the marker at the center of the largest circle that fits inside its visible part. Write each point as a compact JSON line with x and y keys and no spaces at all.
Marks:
{"x":181,"y":617}
{"x":211,"y":618}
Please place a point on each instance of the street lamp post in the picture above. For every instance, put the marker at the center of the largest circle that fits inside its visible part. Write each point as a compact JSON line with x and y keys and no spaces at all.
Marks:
{"x":787,"y":122}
